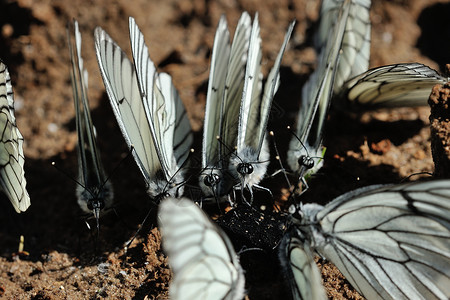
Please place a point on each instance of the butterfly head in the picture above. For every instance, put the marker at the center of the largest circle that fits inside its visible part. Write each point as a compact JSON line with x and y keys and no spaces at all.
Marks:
{"x":306,"y":161}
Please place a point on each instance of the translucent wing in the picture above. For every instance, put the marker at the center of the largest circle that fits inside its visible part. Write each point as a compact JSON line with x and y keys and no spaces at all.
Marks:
{"x":12,"y":175}
{"x":316,"y":95}
{"x":303,"y":275}
{"x":94,"y":193}
{"x":396,"y":85}
{"x":354,"y":59}
{"x":161,"y":115}
{"x":121,"y":85}
{"x":201,"y":256}
{"x":216,"y":86}
{"x":390,"y":242}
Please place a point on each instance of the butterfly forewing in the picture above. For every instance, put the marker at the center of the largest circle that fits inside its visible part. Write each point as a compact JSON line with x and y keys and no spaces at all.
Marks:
{"x":234,"y":84}
{"x":201,"y":256}
{"x":356,"y":41}
{"x":178,"y":119}
{"x":12,"y":179}
{"x":121,"y":85}
{"x":251,"y":95}
{"x":216,"y":86}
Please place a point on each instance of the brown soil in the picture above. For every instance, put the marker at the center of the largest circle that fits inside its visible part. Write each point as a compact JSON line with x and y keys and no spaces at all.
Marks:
{"x":63,"y":260}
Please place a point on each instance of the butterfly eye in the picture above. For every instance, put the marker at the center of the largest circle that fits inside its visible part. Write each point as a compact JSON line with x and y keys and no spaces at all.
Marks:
{"x":306,"y":161}
{"x":245,"y":168}
{"x":211,"y":180}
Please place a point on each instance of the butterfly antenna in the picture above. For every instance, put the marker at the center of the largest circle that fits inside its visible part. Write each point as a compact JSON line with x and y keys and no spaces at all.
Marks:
{"x":71,"y":178}
{"x":298,"y":139}
{"x":117,"y":167}
{"x":138,"y":230}
{"x":278,"y":158}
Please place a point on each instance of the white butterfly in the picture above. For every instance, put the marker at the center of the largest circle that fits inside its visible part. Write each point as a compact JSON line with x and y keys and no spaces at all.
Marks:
{"x":95,"y":192}
{"x":149,"y":111}
{"x":355,"y":55}
{"x":226,"y":82}
{"x":305,"y":150}
{"x":390,"y":242}
{"x":407,"y":84}
{"x":12,"y":175}
{"x":203,"y":260}
{"x":249,"y":163}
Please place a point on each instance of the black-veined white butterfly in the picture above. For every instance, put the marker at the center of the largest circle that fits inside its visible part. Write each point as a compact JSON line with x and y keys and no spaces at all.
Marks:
{"x":226,"y":82}
{"x":12,"y":175}
{"x":203,"y":260}
{"x":94,"y":192}
{"x":249,"y":163}
{"x":149,"y":111}
{"x":355,"y":55}
{"x":305,"y":150}
{"x":407,"y":84}
{"x":390,"y":242}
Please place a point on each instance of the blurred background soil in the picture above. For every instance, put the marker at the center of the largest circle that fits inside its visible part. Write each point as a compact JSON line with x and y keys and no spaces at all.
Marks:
{"x":64,"y":261}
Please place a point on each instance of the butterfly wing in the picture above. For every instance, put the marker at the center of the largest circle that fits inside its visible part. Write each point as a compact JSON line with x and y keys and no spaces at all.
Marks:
{"x":354,"y":59}
{"x":91,"y":172}
{"x":251,"y":95}
{"x":201,"y":256}
{"x":391,"y":242}
{"x":303,"y":275}
{"x":216,"y":86}
{"x":160,"y":113}
{"x":407,"y":84}
{"x":121,"y":84}
{"x":270,"y":89}
{"x":234,"y":84}
{"x":12,"y":175}
{"x":179,"y":121}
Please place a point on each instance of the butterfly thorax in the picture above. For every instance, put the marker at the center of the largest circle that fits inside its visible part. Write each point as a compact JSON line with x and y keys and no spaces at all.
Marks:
{"x":304,"y":220}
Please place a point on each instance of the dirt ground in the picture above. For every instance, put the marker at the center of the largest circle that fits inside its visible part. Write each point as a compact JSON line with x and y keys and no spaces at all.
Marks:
{"x":64,"y":261}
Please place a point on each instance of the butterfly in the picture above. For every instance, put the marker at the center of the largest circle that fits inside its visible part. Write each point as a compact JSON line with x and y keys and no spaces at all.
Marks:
{"x":406,"y":84}
{"x":149,"y":111}
{"x":12,"y":174}
{"x":251,"y":158}
{"x":94,"y":191}
{"x":222,"y":106}
{"x":305,"y":149}
{"x":389,"y":241}
{"x":202,"y":258}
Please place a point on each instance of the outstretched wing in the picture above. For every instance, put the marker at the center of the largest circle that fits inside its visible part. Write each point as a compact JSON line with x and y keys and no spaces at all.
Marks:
{"x":121,"y":84}
{"x":391,"y":242}
{"x":407,"y":84}
{"x":201,"y":256}
{"x":12,"y":175}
